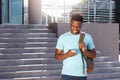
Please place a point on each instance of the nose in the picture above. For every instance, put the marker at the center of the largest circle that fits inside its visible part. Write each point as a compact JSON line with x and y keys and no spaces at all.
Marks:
{"x":75,"y":28}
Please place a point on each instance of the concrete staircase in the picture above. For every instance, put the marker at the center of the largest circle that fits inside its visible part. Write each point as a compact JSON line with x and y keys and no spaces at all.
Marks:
{"x":27,"y":53}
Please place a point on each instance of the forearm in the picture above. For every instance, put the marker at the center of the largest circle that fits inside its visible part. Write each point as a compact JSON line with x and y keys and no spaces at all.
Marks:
{"x":90,"y":54}
{"x":61,"y":56}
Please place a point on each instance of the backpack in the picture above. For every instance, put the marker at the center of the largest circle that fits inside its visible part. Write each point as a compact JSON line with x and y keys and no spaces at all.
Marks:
{"x":89,"y":61}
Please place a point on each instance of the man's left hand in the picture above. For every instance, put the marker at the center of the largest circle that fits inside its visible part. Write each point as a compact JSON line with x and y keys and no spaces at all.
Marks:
{"x":82,"y":46}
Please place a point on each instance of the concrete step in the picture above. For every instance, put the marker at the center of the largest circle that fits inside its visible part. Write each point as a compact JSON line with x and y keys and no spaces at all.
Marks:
{"x":103,"y":58}
{"x":35,"y":73}
{"x":53,"y":67}
{"x":10,"y":62}
{"x":98,"y":53}
{"x":24,"y":45}
{"x":26,"y":35}
{"x":102,"y":76}
{"x":106,"y":70}
{"x":25,"y":30}
{"x":27,"y":50}
{"x":23,"y":40}
{"x":113,"y":79}
{"x":49,"y":78}
{"x":107,"y":64}
{"x":40,"y":73}
{"x":29,"y":26}
{"x":42,"y":55}
{"x":14,"y":62}
{"x":36,"y":78}
{"x":26,"y":56}
{"x":30,"y":67}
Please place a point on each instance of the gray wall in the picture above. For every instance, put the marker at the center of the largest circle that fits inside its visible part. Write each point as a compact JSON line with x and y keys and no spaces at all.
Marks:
{"x":106,"y":36}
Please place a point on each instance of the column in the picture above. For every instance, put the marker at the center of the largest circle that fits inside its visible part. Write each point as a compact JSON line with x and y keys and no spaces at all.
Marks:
{"x":110,"y":11}
{"x":88,"y":6}
{"x":94,"y":10}
{"x":0,"y":12}
{"x":34,"y":12}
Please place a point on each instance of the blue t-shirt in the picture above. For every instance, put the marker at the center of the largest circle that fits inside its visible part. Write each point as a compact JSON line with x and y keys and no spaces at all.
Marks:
{"x":73,"y":65}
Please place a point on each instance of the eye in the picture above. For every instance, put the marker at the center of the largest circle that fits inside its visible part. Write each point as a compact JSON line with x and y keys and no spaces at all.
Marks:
{"x":73,"y":26}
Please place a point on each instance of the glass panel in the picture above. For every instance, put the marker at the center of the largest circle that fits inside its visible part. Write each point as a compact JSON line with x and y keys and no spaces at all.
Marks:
{"x":60,"y":12}
{"x":16,"y":12}
{"x":5,"y":11}
{"x":93,"y":10}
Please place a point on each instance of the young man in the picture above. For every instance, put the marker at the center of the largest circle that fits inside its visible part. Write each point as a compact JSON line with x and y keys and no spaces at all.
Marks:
{"x":67,"y":49}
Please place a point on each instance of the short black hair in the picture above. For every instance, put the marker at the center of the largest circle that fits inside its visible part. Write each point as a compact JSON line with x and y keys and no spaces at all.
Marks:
{"x":77,"y":17}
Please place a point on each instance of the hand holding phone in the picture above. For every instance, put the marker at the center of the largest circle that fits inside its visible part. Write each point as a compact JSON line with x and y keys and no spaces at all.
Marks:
{"x":71,"y":53}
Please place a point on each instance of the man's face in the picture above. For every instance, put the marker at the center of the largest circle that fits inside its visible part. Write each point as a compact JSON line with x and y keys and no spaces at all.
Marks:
{"x":75,"y":27}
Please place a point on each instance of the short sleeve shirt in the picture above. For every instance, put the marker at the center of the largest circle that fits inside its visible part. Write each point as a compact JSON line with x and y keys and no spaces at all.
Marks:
{"x":73,"y":65}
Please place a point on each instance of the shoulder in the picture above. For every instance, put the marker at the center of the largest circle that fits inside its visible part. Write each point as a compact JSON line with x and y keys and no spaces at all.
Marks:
{"x":65,"y":35}
{"x":87,"y":35}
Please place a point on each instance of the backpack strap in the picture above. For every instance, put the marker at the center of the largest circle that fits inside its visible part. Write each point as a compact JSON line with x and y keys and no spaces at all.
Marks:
{"x":82,"y":35}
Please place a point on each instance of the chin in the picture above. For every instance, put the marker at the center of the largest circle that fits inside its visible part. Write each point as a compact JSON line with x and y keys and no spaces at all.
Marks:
{"x":75,"y":32}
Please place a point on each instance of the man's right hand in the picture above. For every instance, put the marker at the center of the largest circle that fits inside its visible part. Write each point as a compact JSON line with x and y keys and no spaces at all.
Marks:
{"x":59,"y":55}
{"x":71,"y":53}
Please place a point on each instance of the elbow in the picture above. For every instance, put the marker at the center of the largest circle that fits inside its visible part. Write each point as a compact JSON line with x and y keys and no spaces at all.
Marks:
{"x":94,"y":56}
{"x":57,"y":58}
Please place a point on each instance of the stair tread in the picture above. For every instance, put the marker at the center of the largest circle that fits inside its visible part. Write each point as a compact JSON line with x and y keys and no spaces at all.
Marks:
{"x":26,"y":53}
{"x":90,"y":74}
{"x":28,"y":59}
{"x":104,"y":73}
{"x":25,"y":33}
{"x":35,"y":78}
{"x":31,"y":65}
{"x":24,"y":29}
{"x":52,"y":58}
{"x":30,"y":71}
{"x":27,"y":48}
{"x":107,"y":67}
{"x":112,"y":79}
{"x":31,"y":43}
{"x":29,"y":38}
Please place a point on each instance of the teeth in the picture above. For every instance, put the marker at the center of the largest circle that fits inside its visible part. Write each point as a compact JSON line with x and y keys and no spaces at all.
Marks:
{"x":75,"y":31}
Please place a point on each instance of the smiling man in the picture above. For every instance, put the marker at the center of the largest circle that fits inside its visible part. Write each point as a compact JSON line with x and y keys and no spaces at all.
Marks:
{"x":67,"y":49}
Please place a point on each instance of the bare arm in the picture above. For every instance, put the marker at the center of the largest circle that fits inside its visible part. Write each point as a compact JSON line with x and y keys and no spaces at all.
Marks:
{"x":60,"y":56}
{"x":89,"y":53}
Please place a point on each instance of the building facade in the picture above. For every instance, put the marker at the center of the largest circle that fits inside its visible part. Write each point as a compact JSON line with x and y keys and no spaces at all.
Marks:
{"x":100,"y":11}
{"x":11,"y":11}
{"x":117,"y":11}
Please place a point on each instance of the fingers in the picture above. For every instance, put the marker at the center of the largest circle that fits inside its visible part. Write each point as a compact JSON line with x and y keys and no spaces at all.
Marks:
{"x":71,"y":53}
{"x":82,"y":46}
